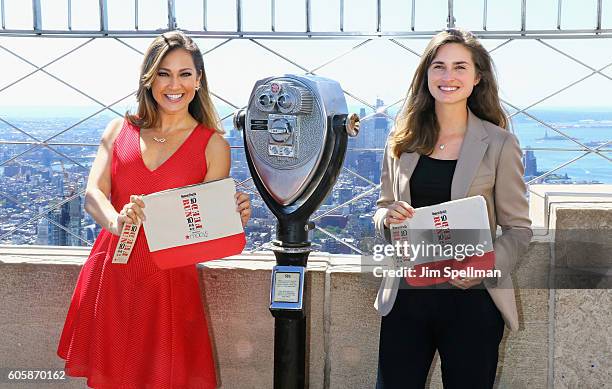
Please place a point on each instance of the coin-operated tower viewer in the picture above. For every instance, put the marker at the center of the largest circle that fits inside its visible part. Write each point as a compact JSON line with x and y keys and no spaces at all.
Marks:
{"x":295,"y":136}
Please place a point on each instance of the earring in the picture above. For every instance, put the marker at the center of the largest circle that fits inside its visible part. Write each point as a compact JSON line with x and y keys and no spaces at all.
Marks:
{"x":197,"y":88}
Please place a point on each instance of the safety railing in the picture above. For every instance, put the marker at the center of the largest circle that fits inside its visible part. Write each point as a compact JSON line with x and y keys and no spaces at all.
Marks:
{"x":303,"y":9}
{"x":447,"y":17}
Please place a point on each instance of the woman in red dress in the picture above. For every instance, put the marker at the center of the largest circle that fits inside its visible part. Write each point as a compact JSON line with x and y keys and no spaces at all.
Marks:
{"x":135,"y":326}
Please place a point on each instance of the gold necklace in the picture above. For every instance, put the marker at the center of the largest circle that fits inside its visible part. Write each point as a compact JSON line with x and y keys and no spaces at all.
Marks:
{"x":160,"y":140}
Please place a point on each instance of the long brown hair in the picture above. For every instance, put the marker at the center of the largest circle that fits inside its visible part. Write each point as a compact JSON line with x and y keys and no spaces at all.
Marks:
{"x":201,"y":107}
{"x":416,"y":125}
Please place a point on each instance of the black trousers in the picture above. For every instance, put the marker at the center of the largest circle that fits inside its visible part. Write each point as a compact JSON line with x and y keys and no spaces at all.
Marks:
{"x":464,"y":326}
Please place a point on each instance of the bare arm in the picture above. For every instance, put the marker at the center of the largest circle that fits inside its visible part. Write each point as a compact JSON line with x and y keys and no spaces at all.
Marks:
{"x":97,"y":202}
{"x":217,"y":158}
{"x":218,"y":162}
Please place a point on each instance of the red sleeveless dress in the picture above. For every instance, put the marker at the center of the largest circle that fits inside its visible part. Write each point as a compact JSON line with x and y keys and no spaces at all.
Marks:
{"x":135,"y":326}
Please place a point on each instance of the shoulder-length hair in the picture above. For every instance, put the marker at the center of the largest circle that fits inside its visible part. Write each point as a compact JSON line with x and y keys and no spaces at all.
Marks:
{"x":416,"y":125}
{"x":201,"y":107}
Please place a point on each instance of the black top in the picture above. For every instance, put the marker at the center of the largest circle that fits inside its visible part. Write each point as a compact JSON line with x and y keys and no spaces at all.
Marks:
{"x":430,"y":183}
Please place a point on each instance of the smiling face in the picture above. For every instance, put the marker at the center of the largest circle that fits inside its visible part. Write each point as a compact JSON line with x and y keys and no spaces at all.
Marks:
{"x":452,"y":75}
{"x":174,"y":85}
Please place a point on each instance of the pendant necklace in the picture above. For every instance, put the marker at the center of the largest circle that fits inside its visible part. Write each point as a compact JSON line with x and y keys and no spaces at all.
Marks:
{"x":159,"y":140}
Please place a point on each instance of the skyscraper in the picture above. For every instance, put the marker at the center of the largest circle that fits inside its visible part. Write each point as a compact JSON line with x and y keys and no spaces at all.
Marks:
{"x":70,"y":217}
{"x":367,"y":166}
{"x":381,"y":125}
{"x":42,"y":230}
{"x":530,"y":163}
{"x":53,"y":231}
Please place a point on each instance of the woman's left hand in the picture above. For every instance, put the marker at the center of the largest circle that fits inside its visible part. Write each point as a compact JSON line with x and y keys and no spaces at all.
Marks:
{"x":465,"y":283}
{"x":243,"y":206}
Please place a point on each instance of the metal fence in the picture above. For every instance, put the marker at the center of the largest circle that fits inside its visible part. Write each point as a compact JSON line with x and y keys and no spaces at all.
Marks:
{"x":261,"y":40}
{"x":304,"y":9}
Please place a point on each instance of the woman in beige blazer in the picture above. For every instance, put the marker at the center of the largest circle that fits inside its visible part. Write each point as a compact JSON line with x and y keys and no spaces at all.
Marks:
{"x":451,"y":141}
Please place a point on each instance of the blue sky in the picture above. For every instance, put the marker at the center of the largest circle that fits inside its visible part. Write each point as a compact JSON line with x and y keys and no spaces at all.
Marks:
{"x":108,"y":70}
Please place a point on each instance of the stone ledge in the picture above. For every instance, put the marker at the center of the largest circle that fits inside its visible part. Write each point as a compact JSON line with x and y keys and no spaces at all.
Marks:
{"x":552,"y":348}
{"x":342,"y":326}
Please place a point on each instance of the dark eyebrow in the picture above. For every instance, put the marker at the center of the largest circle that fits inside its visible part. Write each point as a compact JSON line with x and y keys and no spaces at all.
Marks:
{"x":168,"y":70}
{"x":454,"y":63}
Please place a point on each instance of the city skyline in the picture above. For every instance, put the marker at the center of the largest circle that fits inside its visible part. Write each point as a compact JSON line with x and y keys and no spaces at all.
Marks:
{"x":41,"y":177}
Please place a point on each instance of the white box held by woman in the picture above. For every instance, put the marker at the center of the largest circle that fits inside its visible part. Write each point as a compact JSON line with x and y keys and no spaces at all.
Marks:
{"x":193,"y":224}
{"x":454,"y":235}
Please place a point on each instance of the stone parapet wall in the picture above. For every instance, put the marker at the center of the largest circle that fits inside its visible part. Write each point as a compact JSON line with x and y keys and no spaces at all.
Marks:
{"x":564,"y":341}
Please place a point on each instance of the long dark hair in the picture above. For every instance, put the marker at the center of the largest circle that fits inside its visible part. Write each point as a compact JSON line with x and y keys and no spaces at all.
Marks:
{"x":416,"y":125}
{"x":201,"y":107}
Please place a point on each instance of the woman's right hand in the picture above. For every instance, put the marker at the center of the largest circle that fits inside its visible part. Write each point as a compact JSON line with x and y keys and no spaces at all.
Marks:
{"x":131,"y":213}
{"x":397,"y":212}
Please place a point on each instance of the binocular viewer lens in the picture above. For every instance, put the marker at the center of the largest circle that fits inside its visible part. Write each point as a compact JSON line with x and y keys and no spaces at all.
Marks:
{"x":285,"y":103}
{"x":284,"y":97}
{"x":292,"y":126}
{"x":266,"y":102}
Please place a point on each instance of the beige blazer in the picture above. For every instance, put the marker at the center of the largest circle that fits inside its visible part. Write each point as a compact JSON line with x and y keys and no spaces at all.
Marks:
{"x":489,"y":165}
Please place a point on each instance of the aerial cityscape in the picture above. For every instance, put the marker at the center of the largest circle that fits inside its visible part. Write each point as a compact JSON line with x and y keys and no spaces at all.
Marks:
{"x":41,"y":203}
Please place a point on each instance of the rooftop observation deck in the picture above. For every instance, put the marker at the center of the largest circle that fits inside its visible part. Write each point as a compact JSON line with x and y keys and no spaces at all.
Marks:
{"x":564,"y":340}
{"x":548,"y":54}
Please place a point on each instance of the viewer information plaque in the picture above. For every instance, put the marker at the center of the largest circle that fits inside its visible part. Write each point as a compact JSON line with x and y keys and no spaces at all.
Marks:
{"x":287,"y":287}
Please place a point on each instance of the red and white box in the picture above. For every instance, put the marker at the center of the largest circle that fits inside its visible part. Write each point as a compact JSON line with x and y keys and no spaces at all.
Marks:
{"x":192,"y":224}
{"x":448,"y":238}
